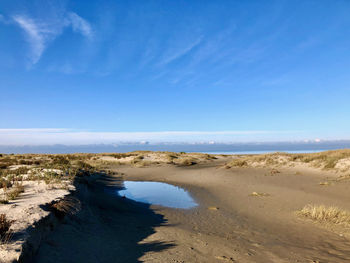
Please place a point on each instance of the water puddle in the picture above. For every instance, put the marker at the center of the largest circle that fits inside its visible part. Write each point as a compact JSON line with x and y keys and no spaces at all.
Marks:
{"x":156,"y":193}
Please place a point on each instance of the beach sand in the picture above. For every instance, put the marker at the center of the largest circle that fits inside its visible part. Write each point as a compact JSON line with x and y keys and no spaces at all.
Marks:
{"x":244,"y":215}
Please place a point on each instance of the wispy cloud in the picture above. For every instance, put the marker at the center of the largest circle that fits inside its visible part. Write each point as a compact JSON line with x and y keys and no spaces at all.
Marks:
{"x":180,"y":52}
{"x":80,"y":25}
{"x":36,"y":36}
{"x":39,"y":33}
{"x":76,"y":137}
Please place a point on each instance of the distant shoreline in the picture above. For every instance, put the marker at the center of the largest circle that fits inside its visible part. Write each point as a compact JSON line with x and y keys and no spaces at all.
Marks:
{"x":264,"y":152}
{"x":234,"y":148}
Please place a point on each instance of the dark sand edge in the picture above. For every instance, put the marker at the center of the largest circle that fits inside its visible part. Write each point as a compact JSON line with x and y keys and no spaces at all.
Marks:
{"x":107,"y":229}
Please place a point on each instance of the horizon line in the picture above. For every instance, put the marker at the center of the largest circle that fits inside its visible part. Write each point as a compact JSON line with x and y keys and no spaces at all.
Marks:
{"x":64,"y":136}
{"x":145,"y":143}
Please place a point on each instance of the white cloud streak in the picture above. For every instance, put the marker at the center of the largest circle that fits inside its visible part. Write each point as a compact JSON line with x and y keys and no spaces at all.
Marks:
{"x":36,"y":36}
{"x":75,"y":137}
{"x":80,"y":25}
{"x":40,"y":33}
{"x":180,"y":52}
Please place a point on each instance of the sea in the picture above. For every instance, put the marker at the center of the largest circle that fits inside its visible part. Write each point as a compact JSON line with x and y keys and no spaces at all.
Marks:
{"x":216,"y":148}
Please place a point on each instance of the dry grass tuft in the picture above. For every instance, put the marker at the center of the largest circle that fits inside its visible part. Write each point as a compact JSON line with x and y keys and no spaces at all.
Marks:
{"x":343,"y":177}
{"x":274,"y":172}
{"x":324,"y":160}
{"x":5,"y":183}
{"x":12,"y":193}
{"x":321,"y":213}
{"x":327,"y":159}
{"x":256,"y":194}
{"x":187,"y":161}
{"x":143,"y":163}
{"x":237,"y":163}
{"x":5,"y":225}
{"x":69,"y":205}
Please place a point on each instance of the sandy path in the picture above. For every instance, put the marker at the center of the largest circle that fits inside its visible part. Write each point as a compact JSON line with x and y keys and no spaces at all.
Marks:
{"x":243,"y":229}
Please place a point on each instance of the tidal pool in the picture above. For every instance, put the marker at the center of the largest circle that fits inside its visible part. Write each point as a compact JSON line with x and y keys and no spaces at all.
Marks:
{"x":156,"y":193}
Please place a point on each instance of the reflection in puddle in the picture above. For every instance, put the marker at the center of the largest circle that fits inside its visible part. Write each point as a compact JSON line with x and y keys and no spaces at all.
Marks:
{"x":156,"y":193}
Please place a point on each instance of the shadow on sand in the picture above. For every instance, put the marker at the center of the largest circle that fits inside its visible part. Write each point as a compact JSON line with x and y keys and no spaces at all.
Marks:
{"x":108,"y":228}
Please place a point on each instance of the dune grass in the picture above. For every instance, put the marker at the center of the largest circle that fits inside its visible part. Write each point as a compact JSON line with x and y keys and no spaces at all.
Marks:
{"x":324,"y":160}
{"x":327,"y":159}
{"x":5,"y":225}
{"x":343,"y":177}
{"x":69,"y":205}
{"x":56,"y":170}
{"x":16,"y":190}
{"x":263,"y":159}
{"x":324,"y":214}
{"x":187,"y":161}
{"x":238,"y":163}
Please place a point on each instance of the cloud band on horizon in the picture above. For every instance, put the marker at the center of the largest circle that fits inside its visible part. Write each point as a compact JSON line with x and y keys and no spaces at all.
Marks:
{"x":49,"y":136}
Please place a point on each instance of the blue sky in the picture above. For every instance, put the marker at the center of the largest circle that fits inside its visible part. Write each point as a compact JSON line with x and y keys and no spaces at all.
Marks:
{"x":233,"y":70}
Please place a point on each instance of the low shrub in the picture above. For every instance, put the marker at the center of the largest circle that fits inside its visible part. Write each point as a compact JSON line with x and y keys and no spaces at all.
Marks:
{"x":15,"y":191}
{"x":21,"y":170}
{"x":5,"y":225}
{"x":4,"y":183}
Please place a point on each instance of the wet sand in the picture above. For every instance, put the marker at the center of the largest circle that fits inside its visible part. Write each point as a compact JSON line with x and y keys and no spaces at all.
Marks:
{"x":229,"y":225}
